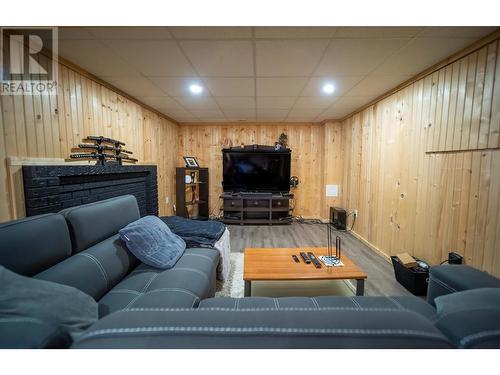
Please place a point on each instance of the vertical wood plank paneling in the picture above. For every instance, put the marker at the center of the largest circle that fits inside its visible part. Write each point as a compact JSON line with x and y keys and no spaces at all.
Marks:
{"x":49,"y":126}
{"x":477,"y":101}
{"x":469,"y":96}
{"x":485,"y":120}
{"x":493,"y":136}
{"x":492,"y":215}
{"x":5,"y":208}
{"x":426,"y":204}
{"x":429,"y":204}
{"x":205,"y":142}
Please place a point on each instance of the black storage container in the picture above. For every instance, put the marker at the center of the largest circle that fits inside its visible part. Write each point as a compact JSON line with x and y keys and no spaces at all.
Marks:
{"x":413,"y":279}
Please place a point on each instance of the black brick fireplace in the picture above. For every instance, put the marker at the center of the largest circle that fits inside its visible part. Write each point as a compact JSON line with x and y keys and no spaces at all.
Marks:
{"x":55,"y":187}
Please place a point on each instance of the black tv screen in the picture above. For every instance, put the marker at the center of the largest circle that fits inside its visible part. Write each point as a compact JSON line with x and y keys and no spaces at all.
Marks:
{"x":256,"y":171}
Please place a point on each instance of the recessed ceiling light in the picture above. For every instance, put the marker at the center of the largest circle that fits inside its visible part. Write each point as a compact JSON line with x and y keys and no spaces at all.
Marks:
{"x":196,"y":89}
{"x":328,"y":88}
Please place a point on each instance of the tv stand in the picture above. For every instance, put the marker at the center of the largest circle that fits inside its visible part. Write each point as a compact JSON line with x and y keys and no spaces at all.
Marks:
{"x":257,"y":208}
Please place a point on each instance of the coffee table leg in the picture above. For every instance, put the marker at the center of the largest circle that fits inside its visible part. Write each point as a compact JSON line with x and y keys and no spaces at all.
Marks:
{"x":248,"y":288}
{"x":360,"y":287}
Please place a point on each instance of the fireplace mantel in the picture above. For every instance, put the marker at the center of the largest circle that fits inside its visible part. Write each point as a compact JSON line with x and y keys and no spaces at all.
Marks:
{"x":51,"y":188}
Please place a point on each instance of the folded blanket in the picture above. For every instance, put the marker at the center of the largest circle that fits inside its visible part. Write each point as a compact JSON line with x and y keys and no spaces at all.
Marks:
{"x":195,"y":233}
{"x":204,"y":234}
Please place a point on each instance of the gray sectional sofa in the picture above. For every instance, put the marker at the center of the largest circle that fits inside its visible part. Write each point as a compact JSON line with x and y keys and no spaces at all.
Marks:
{"x":143,"y":307}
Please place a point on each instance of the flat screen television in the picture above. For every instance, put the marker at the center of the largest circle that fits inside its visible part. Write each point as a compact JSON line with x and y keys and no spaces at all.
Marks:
{"x":256,"y":171}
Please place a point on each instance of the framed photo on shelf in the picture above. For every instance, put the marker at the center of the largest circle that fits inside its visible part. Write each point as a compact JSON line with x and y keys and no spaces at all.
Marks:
{"x":191,"y":162}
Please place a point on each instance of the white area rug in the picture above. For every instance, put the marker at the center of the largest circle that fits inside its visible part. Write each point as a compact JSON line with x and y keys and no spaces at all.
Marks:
{"x":235,"y":286}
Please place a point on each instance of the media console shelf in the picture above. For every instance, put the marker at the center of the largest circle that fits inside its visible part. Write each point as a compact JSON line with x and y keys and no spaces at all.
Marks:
{"x":256,"y":209}
{"x":192,"y":193}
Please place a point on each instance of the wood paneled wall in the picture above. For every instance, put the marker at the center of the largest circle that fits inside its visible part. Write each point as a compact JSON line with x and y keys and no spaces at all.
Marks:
{"x":422,"y":166}
{"x":49,"y":126}
{"x":205,"y":142}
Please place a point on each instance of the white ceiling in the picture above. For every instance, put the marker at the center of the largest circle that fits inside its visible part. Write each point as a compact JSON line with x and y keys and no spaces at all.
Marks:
{"x":259,"y":73}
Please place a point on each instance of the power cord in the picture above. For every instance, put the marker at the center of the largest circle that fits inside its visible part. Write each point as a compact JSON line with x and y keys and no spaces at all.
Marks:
{"x":212,"y":215}
{"x":301,"y":220}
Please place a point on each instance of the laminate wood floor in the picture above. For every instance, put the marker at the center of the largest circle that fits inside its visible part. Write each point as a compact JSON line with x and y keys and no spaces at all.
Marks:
{"x":380,"y":282}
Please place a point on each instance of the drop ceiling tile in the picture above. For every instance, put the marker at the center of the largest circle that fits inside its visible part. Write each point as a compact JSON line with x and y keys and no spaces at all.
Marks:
{"x":212,"y":32}
{"x":345,"y":106}
{"x":271,"y":114}
{"x":230,"y":86}
{"x":152,"y":57}
{"x":310,"y":113}
{"x":457,"y":31}
{"x":220,"y":58}
{"x":135,"y":85}
{"x":356,"y":56}
{"x":197,"y":102}
{"x":294,"y":32}
{"x":275,"y":102}
{"x":204,"y":114}
{"x":352,"y":101}
{"x":91,"y":55}
{"x":315,"y":102}
{"x":300,"y":119}
{"x":177,"y":86}
{"x":181,"y":115}
{"x":333,"y":113}
{"x":185,"y":118}
{"x":341,"y":84}
{"x":130,"y":32}
{"x":243,"y":113}
{"x":290,"y":86}
{"x":377,"y":32}
{"x":71,"y":33}
{"x":420,"y":54}
{"x":161,"y":103}
{"x":375,"y":85}
{"x":288,"y":57}
{"x":235,"y":102}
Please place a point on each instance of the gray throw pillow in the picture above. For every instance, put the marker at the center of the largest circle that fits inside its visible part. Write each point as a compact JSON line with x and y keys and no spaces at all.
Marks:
{"x":60,"y":305}
{"x":152,"y":242}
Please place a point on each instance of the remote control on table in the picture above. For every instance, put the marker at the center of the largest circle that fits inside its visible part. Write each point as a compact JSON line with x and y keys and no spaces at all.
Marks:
{"x":295,"y":258}
{"x":305,"y":257}
{"x":315,"y":261}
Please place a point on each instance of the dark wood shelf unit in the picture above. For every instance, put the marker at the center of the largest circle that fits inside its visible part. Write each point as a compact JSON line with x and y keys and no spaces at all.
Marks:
{"x":185,"y":190}
{"x":256,"y":209}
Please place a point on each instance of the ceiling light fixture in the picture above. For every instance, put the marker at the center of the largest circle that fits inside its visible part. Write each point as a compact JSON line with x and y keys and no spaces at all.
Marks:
{"x":196,"y":89}
{"x":328,"y":88}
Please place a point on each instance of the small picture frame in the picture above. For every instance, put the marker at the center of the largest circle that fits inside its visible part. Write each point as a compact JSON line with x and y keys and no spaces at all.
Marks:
{"x":191,"y":162}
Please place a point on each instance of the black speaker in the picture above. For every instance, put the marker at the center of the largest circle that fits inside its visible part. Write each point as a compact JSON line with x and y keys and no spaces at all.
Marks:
{"x":338,"y":218}
{"x":454,"y":258}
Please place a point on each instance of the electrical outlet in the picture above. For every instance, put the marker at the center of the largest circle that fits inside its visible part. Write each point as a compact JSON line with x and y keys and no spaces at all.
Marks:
{"x":355,"y":212}
{"x":167,"y":200}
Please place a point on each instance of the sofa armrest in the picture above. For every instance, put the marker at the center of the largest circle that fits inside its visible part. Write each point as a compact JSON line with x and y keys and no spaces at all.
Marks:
{"x":455,"y":278}
{"x":25,"y":333}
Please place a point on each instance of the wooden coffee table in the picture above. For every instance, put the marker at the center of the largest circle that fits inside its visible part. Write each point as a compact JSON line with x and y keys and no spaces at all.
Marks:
{"x":276,"y":264}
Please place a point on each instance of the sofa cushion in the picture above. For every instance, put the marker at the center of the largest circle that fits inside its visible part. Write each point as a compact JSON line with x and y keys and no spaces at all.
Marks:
{"x":470,"y":318}
{"x":27,"y":333}
{"x":29,"y":246}
{"x":95,"y":270}
{"x":55,"y":304}
{"x":455,"y":278}
{"x":202,"y":328}
{"x":152,"y":242}
{"x":189,"y":281}
{"x":409,"y":303}
{"x":94,"y":222}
